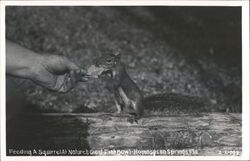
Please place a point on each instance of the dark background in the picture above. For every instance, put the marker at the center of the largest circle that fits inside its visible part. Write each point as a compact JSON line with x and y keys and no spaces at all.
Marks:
{"x":187,"y":51}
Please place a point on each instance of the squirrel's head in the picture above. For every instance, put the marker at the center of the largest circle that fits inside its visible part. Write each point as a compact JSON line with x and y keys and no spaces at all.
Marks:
{"x":108,"y":60}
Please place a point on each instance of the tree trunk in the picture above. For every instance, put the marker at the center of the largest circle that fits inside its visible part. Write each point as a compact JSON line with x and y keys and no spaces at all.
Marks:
{"x":184,"y":134}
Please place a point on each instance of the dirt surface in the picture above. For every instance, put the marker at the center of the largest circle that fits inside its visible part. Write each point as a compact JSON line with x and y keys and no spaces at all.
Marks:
{"x":190,"y":51}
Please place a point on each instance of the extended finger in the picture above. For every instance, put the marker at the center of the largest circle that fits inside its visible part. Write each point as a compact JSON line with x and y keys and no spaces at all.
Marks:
{"x":83,"y":77}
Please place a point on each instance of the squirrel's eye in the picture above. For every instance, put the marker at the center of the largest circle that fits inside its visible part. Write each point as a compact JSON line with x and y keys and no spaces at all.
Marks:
{"x":108,"y":60}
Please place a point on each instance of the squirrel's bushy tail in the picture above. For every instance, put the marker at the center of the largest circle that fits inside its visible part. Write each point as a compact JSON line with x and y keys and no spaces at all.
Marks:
{"x":176,"y":103}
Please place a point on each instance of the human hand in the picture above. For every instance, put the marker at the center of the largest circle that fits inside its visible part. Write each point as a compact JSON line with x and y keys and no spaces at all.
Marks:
{"x":57,"y":73}
{"x":53,"y":72}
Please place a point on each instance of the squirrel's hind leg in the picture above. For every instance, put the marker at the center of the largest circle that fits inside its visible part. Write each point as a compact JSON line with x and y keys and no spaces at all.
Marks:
{"x":118,"y":103}
{"x":119,"y":107}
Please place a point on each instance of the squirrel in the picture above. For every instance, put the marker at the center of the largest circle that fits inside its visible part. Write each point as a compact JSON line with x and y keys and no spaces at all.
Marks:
{"x":126,"y":93}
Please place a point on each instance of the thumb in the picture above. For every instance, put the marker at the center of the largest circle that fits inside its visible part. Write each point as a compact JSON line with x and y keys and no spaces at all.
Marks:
{"x":80,"y":74}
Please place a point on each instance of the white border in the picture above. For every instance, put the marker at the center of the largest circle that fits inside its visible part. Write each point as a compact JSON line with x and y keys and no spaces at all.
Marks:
{"x":245,"y":73}
{"x":2,"y":79}
{"x":245,"y":79}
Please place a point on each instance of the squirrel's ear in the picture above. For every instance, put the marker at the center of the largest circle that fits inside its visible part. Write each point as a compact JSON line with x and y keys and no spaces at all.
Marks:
{"x":117,"y":54}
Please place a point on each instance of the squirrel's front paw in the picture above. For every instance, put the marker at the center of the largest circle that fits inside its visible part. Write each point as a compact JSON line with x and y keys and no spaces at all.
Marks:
{"x":132,"y":120}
